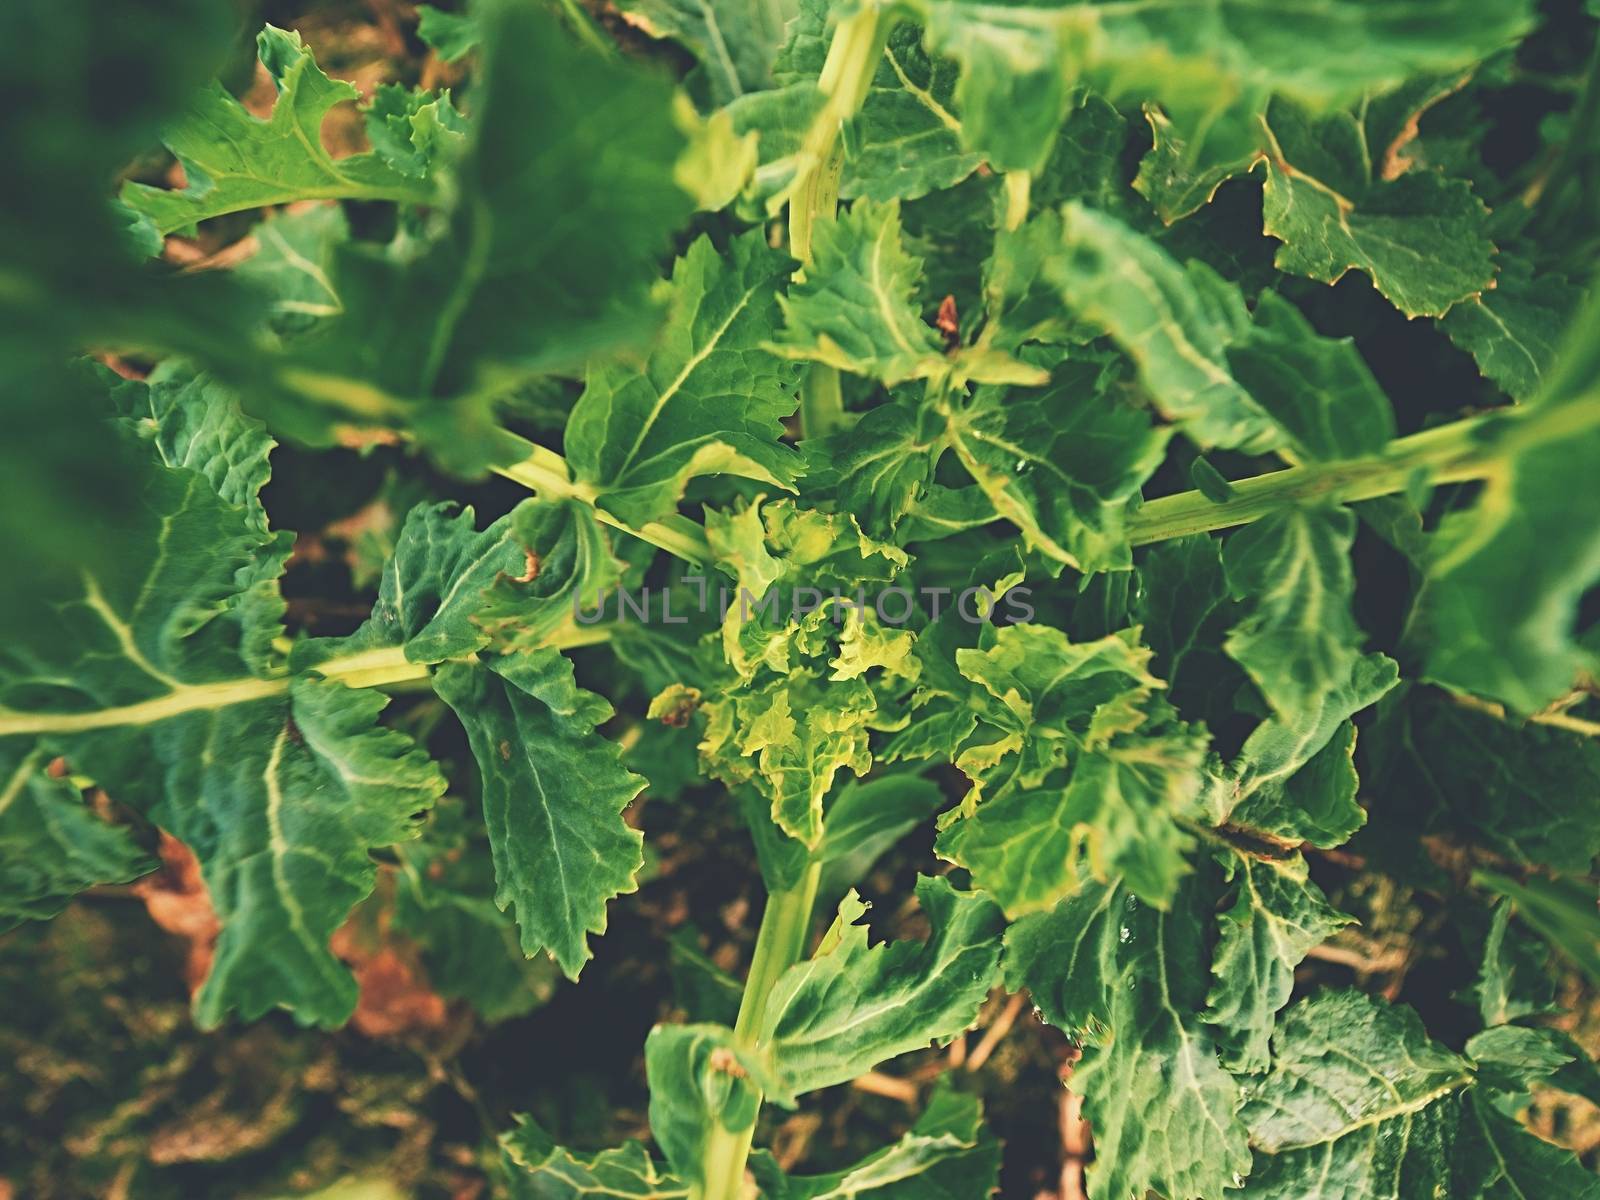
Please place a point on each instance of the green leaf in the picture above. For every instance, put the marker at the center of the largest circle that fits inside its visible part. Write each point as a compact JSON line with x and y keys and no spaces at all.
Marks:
{"x":152,"y":671}
{"x":735,"y":43}
{"x":1301,"y":797}
{"x":1506,"y":576}
{"x":1496,"y":1156}
{"x":1358,"y":1099}
{"x":1512,"y":1058}
{"x":1514,"y":980}
{"x":856,"y":308}
{"x":1277,"y":915}
{"x":432,"y":588}
{"x":866,"y":818}
{"x":1064,"y":466}
{"x":1560,"y":911}
{"x":1318,"y":389}
{"x":1514,"y":329}
{"x":1423,"y":238}
{"x":1110,"y":814}
{"x":1209,"y":70}
{"x":289,"y":810}
{"x":469,"y":947}
{"x":708,"y":400}
{"x":1530,"y":792}
{"x":1186,"y":613}
{"x":853,"y":1006}
{"x":452,"y":35}
{"x":544,"y":261}
{"x":535,"y":1168}
{"x":700,"y":1086}
{"x":946,"y":1155}
{"x":52,"y":846}
{"x":234,"y":161}
{"x":1175,"y":325}
{"x":881,"y":467}
{"x":553,"y":795}
{"x":1130,"y":980}
{"x":703,"y":990}
{"x":293,"y":263}
{"x":1299,"y":639}
{"x":907,"y":140}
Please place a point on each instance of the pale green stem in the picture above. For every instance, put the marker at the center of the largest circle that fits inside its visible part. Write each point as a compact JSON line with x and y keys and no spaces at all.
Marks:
{"x":780,"y":944}
{"x":1477,"y":448}
{"x":383,"y":668}
{"x":1018,"y":184}
{"x":546,"y":473}
{"x":847,"y":72}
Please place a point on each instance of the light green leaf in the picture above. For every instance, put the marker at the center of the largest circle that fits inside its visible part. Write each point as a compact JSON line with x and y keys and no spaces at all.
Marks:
{"x":853,"y":1006}
{"x":1318,"y":389}
{"x":235,"y":161}
{"x":553,"y":795}
{"x":707,"y":401}
{"x":1277,"y":915}
{"x":718,"y":161}
{"x":535,"y":1168}
{"x":1358,"y":1100}
{"x":1299,"y":638}
{"x":857,"y":308}
{"x":52,"y":845}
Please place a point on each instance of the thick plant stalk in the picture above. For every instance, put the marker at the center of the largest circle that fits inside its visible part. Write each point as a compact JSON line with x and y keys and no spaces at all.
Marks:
{"x":847,"y":72}
{"x":386,"y":667}
{"x":1475,"y":448}
{"x":780,"y":943}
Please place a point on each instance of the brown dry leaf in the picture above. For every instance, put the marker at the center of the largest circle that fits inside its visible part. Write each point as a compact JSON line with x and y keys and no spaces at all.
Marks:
{"x":395,"y":995}
{"x":177,"y":900}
